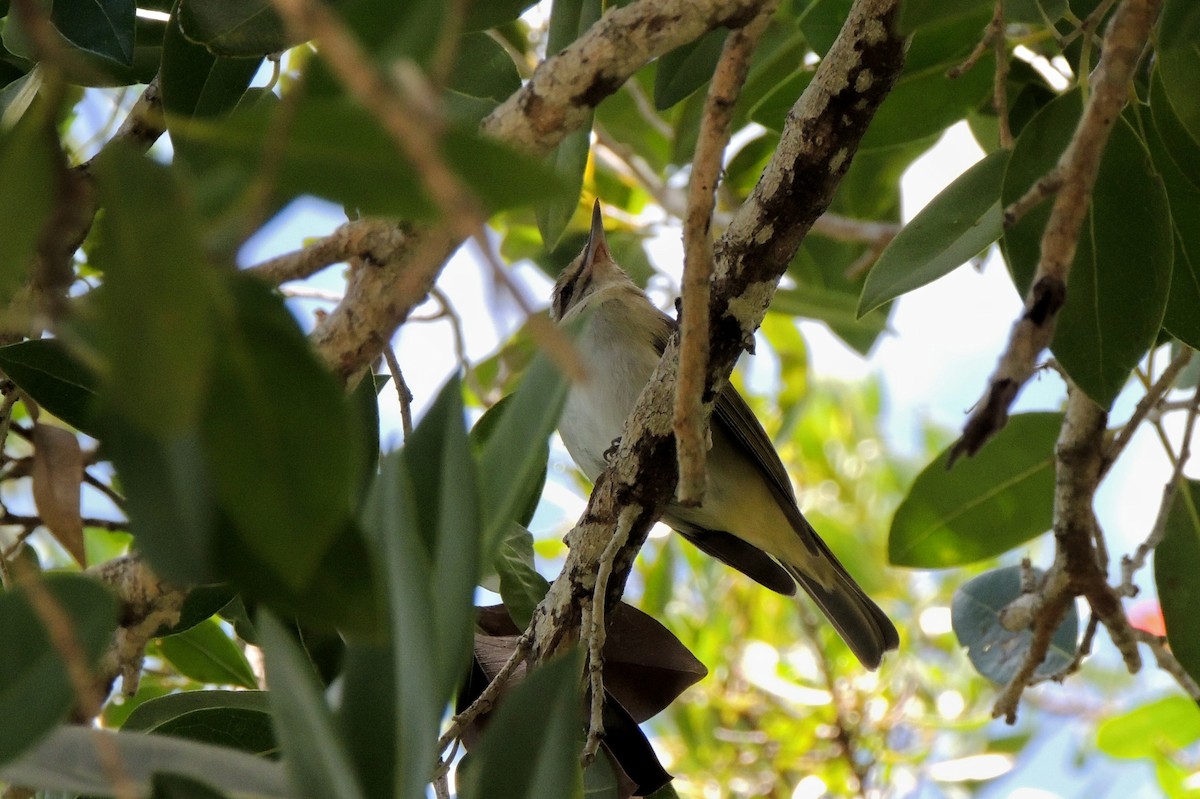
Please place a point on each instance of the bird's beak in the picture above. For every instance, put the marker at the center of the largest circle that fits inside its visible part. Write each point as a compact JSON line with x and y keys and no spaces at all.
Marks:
{"x":597,"y":245}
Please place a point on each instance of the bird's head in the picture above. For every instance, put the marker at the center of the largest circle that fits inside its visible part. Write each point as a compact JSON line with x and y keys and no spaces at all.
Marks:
{"x":591,"y":278}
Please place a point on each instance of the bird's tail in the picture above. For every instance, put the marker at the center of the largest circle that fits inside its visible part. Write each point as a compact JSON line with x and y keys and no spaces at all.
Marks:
{"x":863,"y":626}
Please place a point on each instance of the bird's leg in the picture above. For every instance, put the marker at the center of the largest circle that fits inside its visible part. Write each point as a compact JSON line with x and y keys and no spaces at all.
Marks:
{"x":610,"y":454}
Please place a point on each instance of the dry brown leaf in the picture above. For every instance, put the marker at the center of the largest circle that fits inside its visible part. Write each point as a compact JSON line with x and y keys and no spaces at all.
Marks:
{"x":57,"y":481}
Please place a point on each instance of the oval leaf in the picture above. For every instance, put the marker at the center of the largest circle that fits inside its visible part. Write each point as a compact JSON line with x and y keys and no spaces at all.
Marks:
{"x":46,"y":371}
{"x":1125,"y":250}
{"x":956,"y":225}
{"x":685,"y":69}
{"x":1167,"y":725}
{"x":30,"y":666}
{"x":985,"y":505}
{"x":57,"y":481}
{"x":237,"y":28}
{"x":206,"y":654}
{"x":1175,"y":562}
{"x":996,"y":652}
{"x":156,"y":712}
{"x":141,"y":757}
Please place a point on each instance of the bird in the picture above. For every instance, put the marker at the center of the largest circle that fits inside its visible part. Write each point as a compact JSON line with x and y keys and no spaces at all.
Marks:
{"x":749,"y":518}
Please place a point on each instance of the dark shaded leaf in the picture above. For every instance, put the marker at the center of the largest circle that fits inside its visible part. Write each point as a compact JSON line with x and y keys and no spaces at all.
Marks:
{"x":985,"y":505}
{"x":47,"y":371}
{"x":27,"y":163}
{"x":30,"y":665}
{"x":1179,"y":145}
{"x":514,"y":454}
{"x":521,"y":587}
{"x":197,"y":84}
{"x":484,"y":69}
{"x":1182,"y":316}
{"x":538,"y":726}
{"x":155,"y":310}
{"x":916,"y":14}
{"x":154,"y":713}
{"x":956,"y":225}
{"x":200,"y":604}
{"x":1178,"y":26}
{"x":174,"y":786}
{"x":335,"y":149}
{"x":288,"y":488}
{"x":483,"y":15}
{"x":237,"y":728}
{"x":1175,"y":562}
{"x":1177,"y":67}
{"x":206,"y":654}
{"x":1125,"y":249}
{"x":141,"y":757}
{"x":239,"y":28}
{"x":103,"y":27}
{"x":315,"y":755}
{"x":685,"y":69}
{"x":996,"y":652}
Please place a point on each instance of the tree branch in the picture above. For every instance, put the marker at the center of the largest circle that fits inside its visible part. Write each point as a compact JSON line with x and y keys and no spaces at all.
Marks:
{"x":715,"y":122}
{"x":1078,"y":166}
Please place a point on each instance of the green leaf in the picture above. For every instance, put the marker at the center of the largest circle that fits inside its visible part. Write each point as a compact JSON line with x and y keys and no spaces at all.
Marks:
{"x":206,"y":654}
{"x":1175,"y":562}
{"x":423,"y":515}
{"x":198,"y":606}
{"x":821,"y":21}
{"x":315,"y":756}
{"x":1177,"y":67}
{"x":173,"y":786}
{"x":922,"y":13}
{"x":364,"y":411}
{"x":531,"y":746}
{"x":484,"y":68}
{"x":996,"y":652}
{"x":985,"y":505}
{"x":926,"y":102}
{"x":237,"y":728}
{"x":956,"y":225}
{"x":27,"y":162}
{"x":154,"y":713}
{"x":31,"y":666}
{"x":103,"y":27}
{"x":168,"y":497}
{"x":335,"y":149}
{"x":238,"y":28}
{"x":1178,"y":26}
{"x":197,"y":84}
{"x":155,"y":310}
{"x":481,"y":16}
{"x":514,"y":454}
{"x":45,"y":370}
{"x":1182,"y":316}
{"x":686,"y":68}
{"x":141,"y":756}
{"x":1166,"y":725}
{"x":446,"y":493}
{"x":482,"y":432}
{"x":288,"y":488}
{"x":1125,"y":250}
{"x":1176,"y":142}
{"x":521,"y":587}
{"x":569,"y":161}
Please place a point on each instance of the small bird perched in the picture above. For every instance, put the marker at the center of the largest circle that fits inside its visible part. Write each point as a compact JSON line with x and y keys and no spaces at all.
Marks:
{"x":749,"y":518}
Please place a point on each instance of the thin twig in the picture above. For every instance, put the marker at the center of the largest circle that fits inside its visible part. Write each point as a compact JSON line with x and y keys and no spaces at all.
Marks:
{"x":1146,"y":405}
{"x":402,"y":391}
{"x":1000,"y":81}
{"x":1131,"y":564}
{"x":487,"y":698}
{"x":993,"y":33}
{"x":1042,"y":188}
{"x":1169,"y":663}
{"x":715,"y":129}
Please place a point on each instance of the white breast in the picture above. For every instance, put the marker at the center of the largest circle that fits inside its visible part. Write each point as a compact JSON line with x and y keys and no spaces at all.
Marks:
{"x":619,"y":361}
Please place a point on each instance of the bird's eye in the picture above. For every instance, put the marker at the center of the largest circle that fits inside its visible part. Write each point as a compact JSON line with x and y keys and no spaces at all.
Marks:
{"x":562,"y":299}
